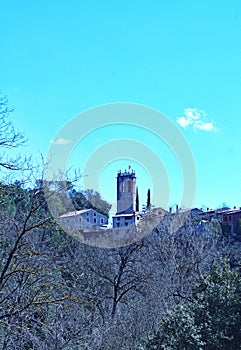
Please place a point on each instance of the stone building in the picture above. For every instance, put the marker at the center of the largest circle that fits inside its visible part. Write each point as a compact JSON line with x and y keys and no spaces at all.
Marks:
{"x":83,"y":219}
{"x":231,"y":218}
{"x":126,"y":214}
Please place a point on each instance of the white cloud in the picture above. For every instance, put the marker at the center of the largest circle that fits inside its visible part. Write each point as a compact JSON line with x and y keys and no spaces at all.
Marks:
{"x":204,"y":126}
{"x":184,"y":122}
{"x":61,"y":141}
{"x":196,"y":118}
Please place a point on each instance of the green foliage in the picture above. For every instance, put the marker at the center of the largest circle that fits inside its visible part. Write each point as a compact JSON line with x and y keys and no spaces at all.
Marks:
{"x":13,"y":198}
{"x":148,"y":201}
{"x":65,"y":198}
{"x":238,"y":229}
{"x":56,"y":293}
{"x":217,"y":308}
{"x":210,"y":321}
{"x":226,"y":229}
{"x":178,"y":331}
{"x":137,"y":200}
{"x":97,"y":202}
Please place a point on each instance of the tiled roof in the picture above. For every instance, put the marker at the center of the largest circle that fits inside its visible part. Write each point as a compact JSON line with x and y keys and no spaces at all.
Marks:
{"x":231,"y":211}
{"x":189,"y":210}
{"x":74,"y":213}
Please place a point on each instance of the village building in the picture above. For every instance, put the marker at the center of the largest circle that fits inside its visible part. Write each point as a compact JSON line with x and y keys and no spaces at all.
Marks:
{"x":190,"y":211}
{"x":231,"y":217}
{"x":127,"y":213}
{"x":83,"y":219}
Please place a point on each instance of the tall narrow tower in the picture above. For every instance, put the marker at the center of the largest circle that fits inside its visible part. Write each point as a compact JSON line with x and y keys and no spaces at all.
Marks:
{"x":126,"y":192}
{"x":126,"y":200}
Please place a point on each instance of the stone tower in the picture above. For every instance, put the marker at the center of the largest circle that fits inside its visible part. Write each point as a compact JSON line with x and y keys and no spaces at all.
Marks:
{"x":126,"y":192}
{"x":126,"y":200}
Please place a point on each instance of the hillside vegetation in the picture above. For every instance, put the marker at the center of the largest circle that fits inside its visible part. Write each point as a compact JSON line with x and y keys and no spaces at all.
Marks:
{"x":177,"y":288}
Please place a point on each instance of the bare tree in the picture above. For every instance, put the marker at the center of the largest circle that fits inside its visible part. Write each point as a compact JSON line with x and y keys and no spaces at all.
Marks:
{"x":10,"y":138}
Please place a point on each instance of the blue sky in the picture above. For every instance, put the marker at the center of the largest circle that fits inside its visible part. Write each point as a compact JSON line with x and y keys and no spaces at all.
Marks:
{"x":182,"y":58}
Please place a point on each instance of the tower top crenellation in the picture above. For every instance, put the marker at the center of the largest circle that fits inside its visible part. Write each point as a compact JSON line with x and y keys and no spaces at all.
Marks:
{"x":126,"y":173}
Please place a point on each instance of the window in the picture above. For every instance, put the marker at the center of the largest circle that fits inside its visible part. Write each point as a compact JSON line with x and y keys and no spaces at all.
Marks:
{"x":126,"y":223}
{"x":101,"y":221}
{"x":87,"y":214}
{"x":94,"y":214}
{"x":94,"y":220}
{"x":88,"y":219}
{"x":79,"y":219}
{"x":122,"y":187}
{"x":118,"y":224}
{"x":129,"y":185}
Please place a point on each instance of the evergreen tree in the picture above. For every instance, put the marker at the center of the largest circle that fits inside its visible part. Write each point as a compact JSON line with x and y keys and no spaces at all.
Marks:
{"x":148,"y":202}
{"x":137,"y":200}
{"x":210,"y":321}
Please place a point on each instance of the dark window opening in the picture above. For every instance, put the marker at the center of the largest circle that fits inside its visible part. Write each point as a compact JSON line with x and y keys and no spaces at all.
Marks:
{"x":129,"y":185}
